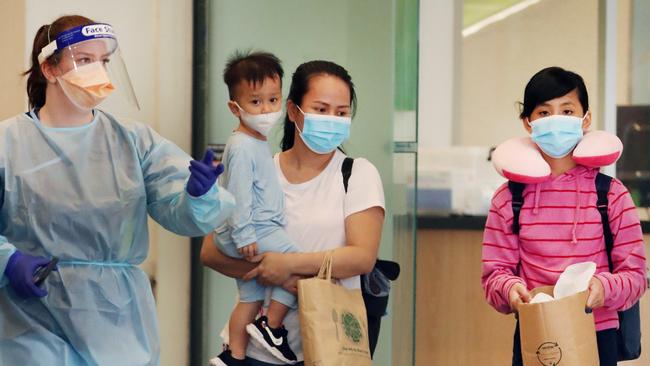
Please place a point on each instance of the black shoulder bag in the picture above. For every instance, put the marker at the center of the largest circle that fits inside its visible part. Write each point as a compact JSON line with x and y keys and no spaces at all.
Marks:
{"x":375,"y":286}
{"x":628,"y":335}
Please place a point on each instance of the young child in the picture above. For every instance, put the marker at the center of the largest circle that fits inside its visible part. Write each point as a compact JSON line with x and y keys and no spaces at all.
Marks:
{"x":254,"y":83}
{"x":559,"y":223}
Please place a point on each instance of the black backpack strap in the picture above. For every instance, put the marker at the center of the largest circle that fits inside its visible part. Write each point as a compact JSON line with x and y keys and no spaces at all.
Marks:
{"x":517,"y":190}
{"x":346,"y":170}
{"x":603,"y":182}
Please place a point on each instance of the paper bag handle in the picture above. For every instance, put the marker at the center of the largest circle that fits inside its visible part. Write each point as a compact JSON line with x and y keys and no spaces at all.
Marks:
{"x":325,"y":271}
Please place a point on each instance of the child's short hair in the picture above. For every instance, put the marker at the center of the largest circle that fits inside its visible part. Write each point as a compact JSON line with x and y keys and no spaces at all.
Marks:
{"x":551,"y":83}
{"x":253,"y":67}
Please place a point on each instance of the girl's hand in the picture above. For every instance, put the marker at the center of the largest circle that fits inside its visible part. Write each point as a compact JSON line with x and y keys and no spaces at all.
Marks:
{"x":518,"y":295}
{"x":274,"y":269}
{"x":596,"y":297}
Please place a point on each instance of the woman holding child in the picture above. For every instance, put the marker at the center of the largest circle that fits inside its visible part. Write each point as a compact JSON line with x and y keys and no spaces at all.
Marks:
{"x":321,"y":214}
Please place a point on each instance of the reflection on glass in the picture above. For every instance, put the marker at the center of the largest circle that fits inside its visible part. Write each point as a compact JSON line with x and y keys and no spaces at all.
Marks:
{"x":404,"y":180}
{"x":633,"y":168}
{"x":406,"y":65}
{"x":503,"y":43}
{"x":501,"y":55}
{"x":404,"y":236}
{"x":476,"y":10}
{"x":633,"y":100}
{"x":637,"y":22}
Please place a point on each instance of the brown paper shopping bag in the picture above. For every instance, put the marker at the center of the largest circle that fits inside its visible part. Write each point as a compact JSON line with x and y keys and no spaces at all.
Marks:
{"x":333,"y":322}
{"x":559,"y":332}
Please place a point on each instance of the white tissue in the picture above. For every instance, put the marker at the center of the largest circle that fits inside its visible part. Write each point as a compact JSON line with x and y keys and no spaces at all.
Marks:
{"x":541,"y":297}
{"x":574,"y":279}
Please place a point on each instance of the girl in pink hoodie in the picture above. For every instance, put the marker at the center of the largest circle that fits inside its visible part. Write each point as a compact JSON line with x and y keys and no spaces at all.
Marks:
{"x":559,"y":221}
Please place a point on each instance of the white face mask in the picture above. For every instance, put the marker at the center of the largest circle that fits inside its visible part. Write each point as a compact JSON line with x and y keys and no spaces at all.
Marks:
{"x":261,"y":123}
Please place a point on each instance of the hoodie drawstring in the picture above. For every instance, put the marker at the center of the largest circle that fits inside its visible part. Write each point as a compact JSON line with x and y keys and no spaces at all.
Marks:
{"x":538,"y":191}
{"x":574,"y":239}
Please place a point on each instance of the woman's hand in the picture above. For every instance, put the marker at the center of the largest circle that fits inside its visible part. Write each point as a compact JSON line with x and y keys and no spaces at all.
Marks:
{"x":212,"y":257}
{"x":274,"y":269}
{"x":291,"y":284}
{"x":518,"y":295}
{"x":596,"y":297}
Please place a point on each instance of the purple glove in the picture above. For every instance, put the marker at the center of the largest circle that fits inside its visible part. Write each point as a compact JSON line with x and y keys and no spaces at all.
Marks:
{"x":20,"y":272}
{"x":203,"y":175}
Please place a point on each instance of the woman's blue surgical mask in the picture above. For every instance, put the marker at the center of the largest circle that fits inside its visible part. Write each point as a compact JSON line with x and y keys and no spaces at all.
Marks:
{"x":323,"y":133}
{"x":557,"y":135}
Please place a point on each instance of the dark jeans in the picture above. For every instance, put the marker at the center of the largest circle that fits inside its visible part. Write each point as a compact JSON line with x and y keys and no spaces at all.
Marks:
{"x":607,"y":348}
{"x":253,"y":362}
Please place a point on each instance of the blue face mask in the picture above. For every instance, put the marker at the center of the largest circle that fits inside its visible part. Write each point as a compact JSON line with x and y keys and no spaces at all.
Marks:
{"x":557,"y":135}
{"x":323,"y":133}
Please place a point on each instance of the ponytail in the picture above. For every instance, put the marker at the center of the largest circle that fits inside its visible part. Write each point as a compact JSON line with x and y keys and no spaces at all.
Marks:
{"x":36,"y":81}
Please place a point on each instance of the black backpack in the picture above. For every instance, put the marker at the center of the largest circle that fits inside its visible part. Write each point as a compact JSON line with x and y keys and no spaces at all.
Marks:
{"x":629,"y":330}
{"x":375,"y":286}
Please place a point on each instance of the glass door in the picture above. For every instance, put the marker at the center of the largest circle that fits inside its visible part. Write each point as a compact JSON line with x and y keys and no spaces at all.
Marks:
{"x":404,"y":180}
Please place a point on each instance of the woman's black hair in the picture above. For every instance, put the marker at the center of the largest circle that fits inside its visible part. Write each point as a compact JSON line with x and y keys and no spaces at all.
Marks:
{"x":300,"y":86}
{"x":551,"y":83}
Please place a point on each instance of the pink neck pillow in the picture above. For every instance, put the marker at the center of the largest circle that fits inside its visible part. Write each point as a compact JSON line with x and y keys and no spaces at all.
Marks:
{"x":520,"y":160}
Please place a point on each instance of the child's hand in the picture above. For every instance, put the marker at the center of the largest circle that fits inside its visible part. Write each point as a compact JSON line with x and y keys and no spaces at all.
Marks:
{"x":249,"y":251}
{"x":596,"y":297}
{"x":518,"y":295}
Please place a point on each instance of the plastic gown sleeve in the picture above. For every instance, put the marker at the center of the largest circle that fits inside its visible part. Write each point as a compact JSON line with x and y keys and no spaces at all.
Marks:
{"x":6,"y":249}
{"x":239,"y":168}
{"x":165,"y":171}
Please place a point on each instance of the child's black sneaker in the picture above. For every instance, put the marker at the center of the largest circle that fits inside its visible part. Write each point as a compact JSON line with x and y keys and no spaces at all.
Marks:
{"x":226,"y":359}
{"x":273,"y":340}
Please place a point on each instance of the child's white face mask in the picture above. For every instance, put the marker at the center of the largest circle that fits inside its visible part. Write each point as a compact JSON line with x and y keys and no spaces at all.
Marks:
{"x":261,"y":123}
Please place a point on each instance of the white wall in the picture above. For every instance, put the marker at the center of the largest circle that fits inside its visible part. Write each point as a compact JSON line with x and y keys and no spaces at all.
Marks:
{"x":623,"y":41}
{"x":439,"y":69}
{"x":12,"y":93}
{"x":156,"y":41}
{"x":498,"y":61}
{"x":640,"y":55}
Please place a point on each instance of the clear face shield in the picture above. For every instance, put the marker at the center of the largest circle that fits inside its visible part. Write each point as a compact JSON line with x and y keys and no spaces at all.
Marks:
{"x":89,"y":65}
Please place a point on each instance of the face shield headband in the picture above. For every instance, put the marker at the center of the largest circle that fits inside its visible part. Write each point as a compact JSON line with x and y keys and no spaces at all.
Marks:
{"x":76,"y":35}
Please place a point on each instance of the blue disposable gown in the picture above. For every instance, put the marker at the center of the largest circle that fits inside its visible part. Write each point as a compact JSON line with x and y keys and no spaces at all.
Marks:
{"x":83,"y":194}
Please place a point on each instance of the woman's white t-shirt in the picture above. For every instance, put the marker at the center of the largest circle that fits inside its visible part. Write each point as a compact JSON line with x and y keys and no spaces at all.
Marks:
{"x":316,"y":212}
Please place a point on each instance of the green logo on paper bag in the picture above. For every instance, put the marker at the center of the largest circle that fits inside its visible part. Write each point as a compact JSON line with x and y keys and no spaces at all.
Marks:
{"x":352,"y":327}
{"x":549,"y":354}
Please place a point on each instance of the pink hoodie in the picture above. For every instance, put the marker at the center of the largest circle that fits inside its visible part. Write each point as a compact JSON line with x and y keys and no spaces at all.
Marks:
{"x":560,"y":225}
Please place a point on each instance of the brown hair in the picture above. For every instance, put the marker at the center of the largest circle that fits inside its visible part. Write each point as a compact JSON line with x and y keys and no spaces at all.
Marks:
{"x":36,"y":82}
